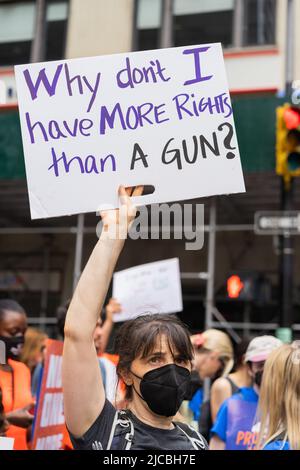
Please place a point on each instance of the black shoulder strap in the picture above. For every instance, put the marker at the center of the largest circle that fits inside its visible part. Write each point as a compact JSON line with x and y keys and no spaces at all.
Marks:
{"x":121,"y":440}
{"x":197,"y":441}
{"x":234,"y":387}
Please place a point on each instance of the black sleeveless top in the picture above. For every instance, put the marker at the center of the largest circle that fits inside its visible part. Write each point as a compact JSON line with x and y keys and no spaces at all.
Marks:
{"x":205,"y":421}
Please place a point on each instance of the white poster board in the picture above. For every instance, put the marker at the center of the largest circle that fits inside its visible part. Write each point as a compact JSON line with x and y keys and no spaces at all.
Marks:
{"x":161,"y":118}
{"x":6,"y":443}
{"x":148,"y":288}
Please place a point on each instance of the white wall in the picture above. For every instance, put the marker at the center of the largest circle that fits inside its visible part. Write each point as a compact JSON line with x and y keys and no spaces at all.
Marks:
{"x":99,"y":27}
{"x":254,"y":71}
{"x":297,"y":40}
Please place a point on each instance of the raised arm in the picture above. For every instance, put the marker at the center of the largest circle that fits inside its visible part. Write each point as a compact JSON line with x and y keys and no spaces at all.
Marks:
{"x":84,"y":395}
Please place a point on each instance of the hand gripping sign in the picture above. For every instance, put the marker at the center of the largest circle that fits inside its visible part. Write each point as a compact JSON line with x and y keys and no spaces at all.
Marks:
{"x":161,"y":118}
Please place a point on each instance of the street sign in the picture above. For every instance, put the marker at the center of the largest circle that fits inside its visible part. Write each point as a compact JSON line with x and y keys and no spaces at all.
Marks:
{"x":277,"y":223}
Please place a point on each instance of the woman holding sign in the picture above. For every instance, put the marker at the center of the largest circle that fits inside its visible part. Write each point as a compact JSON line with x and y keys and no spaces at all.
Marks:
{"x":155,"y":361}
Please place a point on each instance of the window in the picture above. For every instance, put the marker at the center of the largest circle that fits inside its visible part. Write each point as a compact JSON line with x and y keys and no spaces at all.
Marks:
{"x":16,"y":32}
{"x":234,"y":23}
{"x":17,"y":22}
{"x":194,"y":22}
{"x":205,"y":21}
{"x":259,"y":19}
{"x":148,"y":24}
{"x":57,"y":14}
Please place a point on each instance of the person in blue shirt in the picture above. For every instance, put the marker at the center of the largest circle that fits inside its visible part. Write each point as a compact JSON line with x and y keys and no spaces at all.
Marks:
{"x":279,"y":444}
{"x":279,"y":403}
{"x":235,"y":427}
{"x":195,"y":404}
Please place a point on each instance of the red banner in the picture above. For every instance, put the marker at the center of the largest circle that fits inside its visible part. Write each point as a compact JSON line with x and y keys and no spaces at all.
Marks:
{"x":50,"y":431}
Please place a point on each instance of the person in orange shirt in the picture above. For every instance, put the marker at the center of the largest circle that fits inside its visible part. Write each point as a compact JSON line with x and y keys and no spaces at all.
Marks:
{"x":14,"y":375}
{"x":3,"y":421}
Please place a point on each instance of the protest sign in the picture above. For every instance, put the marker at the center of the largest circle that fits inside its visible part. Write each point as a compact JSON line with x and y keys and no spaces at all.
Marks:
{"x":148,"y":288}
{"x":6,"y":443}
{"x":242,"y":430}
{"x":50,"y":431}
{"x":161,"y":118}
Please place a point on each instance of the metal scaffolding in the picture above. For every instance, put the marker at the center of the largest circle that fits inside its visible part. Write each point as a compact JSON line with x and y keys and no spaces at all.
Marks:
{"x":213,"y":318}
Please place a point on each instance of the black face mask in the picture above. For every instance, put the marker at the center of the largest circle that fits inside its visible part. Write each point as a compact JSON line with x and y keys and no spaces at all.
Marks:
{"x":165,"y":388}
{"x":13,"y":346}
{"x":258,"y":377}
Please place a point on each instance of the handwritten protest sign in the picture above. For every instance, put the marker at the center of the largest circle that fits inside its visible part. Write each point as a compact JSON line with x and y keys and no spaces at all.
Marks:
{"x":50,"y":431}
{"x":148,"y":288}
{"x":161,"y":118}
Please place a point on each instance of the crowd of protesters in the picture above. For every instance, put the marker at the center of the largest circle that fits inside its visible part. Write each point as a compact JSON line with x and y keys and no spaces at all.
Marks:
{"x":134,"y":399}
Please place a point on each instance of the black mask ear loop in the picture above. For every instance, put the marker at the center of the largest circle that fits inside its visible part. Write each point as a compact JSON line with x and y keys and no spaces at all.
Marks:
{"x":134,"y":386}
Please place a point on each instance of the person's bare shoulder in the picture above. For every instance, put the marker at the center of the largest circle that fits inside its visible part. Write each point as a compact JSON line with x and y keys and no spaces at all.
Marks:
{"x":221,"y":385}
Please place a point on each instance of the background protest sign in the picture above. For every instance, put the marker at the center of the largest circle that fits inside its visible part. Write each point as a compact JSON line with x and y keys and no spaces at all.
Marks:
{"x":50,"y":431}
{"x":6,"y":443}
{"x":160,"y":118}
{"x":148,"y":288}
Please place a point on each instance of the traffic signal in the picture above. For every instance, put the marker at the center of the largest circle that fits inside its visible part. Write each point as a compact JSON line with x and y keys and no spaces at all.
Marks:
{"x":288,"y":142}
{"x":235,"y":286}
{"x":248,"y":286}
